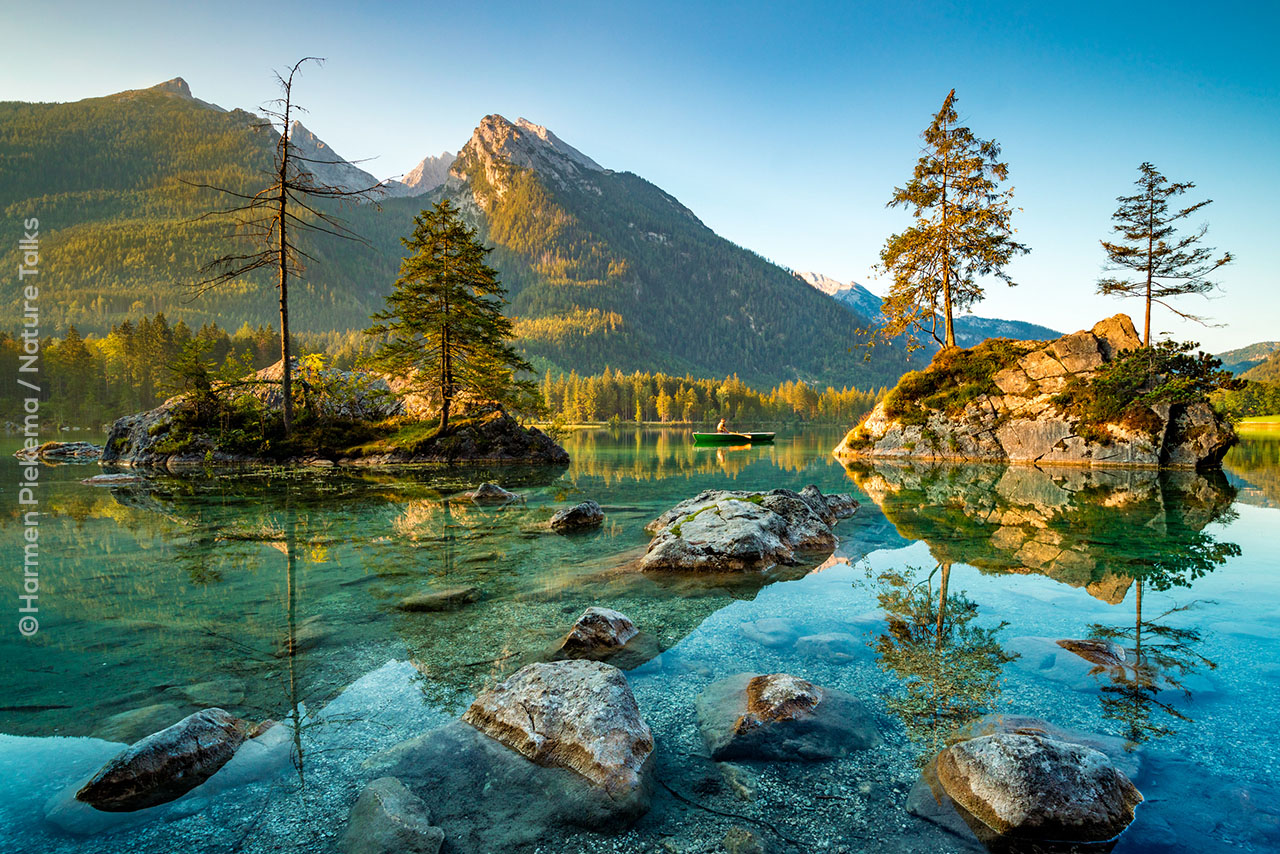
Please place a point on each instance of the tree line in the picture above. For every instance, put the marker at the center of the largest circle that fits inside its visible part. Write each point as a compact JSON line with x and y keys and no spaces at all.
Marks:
{"x":614,"y":396}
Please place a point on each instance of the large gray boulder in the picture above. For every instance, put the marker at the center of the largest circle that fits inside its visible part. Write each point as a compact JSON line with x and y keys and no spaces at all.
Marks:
{"x":781,"y":717}
{"x":729,"y":530}
{"x":1020,"y":418}
{"x":389,"y":819}
{"x":167,"y":764}
{"x":1035,"y":787}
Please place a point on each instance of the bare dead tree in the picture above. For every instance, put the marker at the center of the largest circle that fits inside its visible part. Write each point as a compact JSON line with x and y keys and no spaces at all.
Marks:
{"x":272,"y":220}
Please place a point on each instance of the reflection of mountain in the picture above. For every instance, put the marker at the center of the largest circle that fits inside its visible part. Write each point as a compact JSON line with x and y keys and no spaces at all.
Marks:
{"x":1092,"y":528}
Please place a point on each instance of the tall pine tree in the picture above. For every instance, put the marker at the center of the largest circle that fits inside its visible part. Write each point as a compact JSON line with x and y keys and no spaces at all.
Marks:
{"x":962,"y":230}
{"x":446,"y":333}
{"x":1166,"y":265}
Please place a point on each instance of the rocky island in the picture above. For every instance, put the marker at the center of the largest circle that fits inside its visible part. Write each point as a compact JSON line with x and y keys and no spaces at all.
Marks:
{"x":354,"y":418}
{"x":1092,"y":398}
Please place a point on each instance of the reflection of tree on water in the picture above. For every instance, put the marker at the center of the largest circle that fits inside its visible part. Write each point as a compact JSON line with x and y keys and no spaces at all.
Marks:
{"x":1159,"y":656}
{"x":950,"y":667}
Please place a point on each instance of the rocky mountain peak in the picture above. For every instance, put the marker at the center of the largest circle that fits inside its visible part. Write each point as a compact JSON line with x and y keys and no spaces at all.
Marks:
{"x":176,"y":86}
{"x":430,"y":173}
{"x":498,"y":144}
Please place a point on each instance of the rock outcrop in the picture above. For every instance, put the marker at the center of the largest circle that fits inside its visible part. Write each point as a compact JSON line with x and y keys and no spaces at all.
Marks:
{"x":1035,"y":787}
{"x":166,"y":765}
{"x":580,"y":517}
{"x":725,"y":530}
{"x":781,"y":717}
{"x":1014,"y":413}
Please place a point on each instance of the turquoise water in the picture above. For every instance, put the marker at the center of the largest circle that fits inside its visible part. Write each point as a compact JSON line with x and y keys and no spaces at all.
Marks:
{"x":162,"y":597}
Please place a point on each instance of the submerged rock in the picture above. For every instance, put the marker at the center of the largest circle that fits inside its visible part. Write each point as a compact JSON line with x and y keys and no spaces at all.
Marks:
{"x":167,"y":764}
{"x":734,"y":530}
{"x":389,"y":819}
{"x":449,"y":599}
{"x":579,"y":715}
{"x":491,"y":493}
{"x":1034,"y":787}
{"x":1015,"y":414}
{"x":580,"y":517}
{"x":598,"y":632}
{"x":781,"y":717}
{"x":1103,"y":653}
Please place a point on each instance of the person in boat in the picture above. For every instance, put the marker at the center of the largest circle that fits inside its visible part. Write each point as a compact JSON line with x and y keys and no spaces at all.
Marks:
{"x":722,"y":427}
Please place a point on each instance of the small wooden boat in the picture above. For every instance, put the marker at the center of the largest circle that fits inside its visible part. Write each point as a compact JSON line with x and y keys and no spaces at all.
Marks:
{"x":732,"y":438}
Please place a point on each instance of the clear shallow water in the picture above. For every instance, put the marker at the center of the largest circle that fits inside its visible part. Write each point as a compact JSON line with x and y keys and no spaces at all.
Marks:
{"x":160,"y":598}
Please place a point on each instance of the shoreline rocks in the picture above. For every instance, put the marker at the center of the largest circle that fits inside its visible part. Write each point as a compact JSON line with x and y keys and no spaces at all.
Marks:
{"x":1016,"y":417}
{"x":781,"y":717}
{"x":728,"y":530}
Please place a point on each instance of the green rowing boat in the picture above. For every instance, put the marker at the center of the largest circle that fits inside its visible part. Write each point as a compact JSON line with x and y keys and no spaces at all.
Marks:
{"x":732,"y":438}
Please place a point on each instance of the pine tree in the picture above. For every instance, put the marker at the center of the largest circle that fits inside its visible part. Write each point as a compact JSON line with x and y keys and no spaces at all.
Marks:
{"x":961,"y":230}
{"x":446,"y":333}
{"x":1166,"y":265}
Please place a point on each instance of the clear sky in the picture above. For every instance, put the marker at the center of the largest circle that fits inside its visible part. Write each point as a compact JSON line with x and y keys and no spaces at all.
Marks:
{"x":784,"y":126}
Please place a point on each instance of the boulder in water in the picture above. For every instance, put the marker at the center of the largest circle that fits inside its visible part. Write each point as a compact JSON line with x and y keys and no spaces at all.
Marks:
{"x":166,"y":765}
{"x":781,"y":717}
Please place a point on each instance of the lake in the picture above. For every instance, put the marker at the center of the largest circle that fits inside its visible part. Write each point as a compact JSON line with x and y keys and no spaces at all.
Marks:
{"x":273,"y":594}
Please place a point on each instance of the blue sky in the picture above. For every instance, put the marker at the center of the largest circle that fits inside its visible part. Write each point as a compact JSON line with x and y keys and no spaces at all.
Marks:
{"x":784,"y":126}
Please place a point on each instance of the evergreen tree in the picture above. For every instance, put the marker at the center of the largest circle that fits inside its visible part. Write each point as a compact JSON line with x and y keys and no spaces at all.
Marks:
{"x":961,"y":230}
{"x":1166,"y":265}
{"x":445,"y":329}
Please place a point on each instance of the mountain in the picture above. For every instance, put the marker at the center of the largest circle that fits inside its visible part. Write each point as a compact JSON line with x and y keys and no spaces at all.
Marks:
{"x":970,"y":330}
{"x":1240,"y":360}
{"x":1266,"y":371}
{"x":603,"y":267}
{"x":429,"y":174}
{"x":606,"y":269}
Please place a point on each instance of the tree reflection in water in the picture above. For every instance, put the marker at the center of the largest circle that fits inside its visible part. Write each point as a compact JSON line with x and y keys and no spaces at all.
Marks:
{"x":950,"y":668}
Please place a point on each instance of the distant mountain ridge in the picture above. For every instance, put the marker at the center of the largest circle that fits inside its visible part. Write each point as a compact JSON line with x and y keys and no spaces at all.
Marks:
{"x":604,"y":268}
{"x":970,"y":330}
{"x":1243,"y":359}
